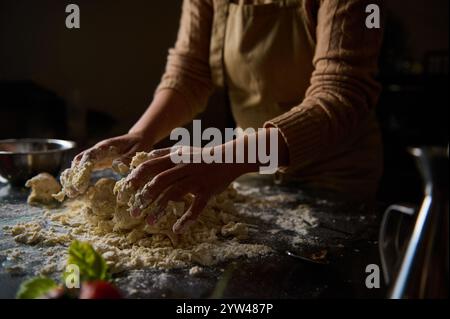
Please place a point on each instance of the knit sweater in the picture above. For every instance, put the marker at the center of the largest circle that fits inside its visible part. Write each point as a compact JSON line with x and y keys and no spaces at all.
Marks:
{"x":331,"y":134}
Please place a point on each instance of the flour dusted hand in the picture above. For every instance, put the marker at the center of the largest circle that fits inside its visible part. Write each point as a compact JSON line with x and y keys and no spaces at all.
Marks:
{"x":157,"y":181}
{"x":75,"y":180}
{"x":124,"y":146}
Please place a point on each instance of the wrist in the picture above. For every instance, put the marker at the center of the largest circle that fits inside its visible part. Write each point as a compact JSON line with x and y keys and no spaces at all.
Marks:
{"x":237,"y":163}
{"x":144,"y":135}
{"x":273,"y":155}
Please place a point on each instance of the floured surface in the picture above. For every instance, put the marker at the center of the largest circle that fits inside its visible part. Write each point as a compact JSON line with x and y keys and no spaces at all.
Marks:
{"x":224,"y":231}
{"x":100,"y":213}
{"x":278,"y":218}
{"x":213,"y":239}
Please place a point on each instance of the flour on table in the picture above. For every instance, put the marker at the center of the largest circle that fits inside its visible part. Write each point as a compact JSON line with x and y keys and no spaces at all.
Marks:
{"x":96,"y":216}
{"x":233,"y":229}
{"x":293,"y":224}
{"x":143,"y":246}
{"x":298,"y":220}
{"x":100,"y":215}
{"x":195,"y":271}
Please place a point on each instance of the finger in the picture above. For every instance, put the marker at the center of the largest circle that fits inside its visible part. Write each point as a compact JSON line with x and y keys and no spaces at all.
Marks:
{"x":86,"y":155}
{"x":160,"y":152}
{"x":147,"y":170}
{"x":161,"y":182}
{"x":175,"y":194}
{"x":138,"y":178}
{"x":78,"y":157}
{"x":93,"y":154}
{"x":155,"y":188}
{"x":191,"y":215}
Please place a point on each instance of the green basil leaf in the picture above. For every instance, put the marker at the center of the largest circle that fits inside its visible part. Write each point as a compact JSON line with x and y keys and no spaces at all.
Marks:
{"x":91,"y":264}
{"x":35,"y":287}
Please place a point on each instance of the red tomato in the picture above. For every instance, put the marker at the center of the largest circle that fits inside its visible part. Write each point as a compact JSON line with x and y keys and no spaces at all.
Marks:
{"x":99,"y":290}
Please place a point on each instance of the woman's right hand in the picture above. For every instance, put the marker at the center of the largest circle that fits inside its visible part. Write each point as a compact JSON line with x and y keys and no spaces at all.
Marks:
{"x":125,"y":146}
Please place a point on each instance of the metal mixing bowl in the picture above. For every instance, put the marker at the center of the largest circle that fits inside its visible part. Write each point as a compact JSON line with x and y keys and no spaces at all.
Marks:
{"x":21,"y":159}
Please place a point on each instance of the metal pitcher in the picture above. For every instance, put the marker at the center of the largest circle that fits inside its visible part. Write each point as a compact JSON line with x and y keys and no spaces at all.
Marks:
{"x":415,"y":263}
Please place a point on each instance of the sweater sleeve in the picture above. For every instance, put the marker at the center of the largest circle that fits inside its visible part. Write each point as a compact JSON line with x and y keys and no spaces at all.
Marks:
{"x":187,"y":69}
{"x":342,"y":92}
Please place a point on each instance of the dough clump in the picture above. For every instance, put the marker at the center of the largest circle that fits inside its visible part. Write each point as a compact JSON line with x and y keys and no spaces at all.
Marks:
{"x":126,"y":242}
{"x":43,"y":186}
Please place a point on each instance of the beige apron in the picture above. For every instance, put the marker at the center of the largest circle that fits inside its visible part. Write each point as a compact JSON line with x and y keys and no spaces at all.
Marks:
{"x":267,"y":59}
{"x":267,"y":66}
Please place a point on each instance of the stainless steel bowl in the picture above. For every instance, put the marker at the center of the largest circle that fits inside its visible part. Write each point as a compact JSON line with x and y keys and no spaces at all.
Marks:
{"x":21,"y":159}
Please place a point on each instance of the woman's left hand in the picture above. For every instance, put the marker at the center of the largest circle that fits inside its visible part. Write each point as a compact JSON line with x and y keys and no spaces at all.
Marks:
{"x":162,"y":180}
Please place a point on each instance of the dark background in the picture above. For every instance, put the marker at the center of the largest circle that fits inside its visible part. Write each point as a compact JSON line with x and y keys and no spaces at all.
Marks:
{"x":94,"y":82}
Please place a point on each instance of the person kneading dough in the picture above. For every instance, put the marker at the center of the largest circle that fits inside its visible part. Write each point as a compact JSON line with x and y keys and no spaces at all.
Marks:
{"x":305,"y":68}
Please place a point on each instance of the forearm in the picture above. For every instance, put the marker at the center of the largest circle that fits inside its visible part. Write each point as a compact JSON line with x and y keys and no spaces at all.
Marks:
{"x":167,"y":111}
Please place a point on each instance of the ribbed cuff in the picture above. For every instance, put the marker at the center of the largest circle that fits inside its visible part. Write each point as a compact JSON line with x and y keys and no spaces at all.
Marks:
{"x":302,"y":131}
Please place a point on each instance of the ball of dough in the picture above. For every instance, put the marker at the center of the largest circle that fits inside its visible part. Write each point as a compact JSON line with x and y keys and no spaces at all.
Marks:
{"x":43,"y":186}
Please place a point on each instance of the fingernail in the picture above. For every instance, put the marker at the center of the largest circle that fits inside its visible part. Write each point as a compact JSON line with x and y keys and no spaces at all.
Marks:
{"x":151,"y":220}
{"x":136,"y":212}
{"x":180,"y":227}
{"x":176,"y":228}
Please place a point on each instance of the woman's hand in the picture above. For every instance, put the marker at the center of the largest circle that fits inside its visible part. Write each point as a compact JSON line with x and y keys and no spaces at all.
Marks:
{"x":162,"y":181}
{"x":124,"y":146}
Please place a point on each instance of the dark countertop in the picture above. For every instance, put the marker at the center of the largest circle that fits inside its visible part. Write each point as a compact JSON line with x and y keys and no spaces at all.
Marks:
{"x":348,"y":231}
